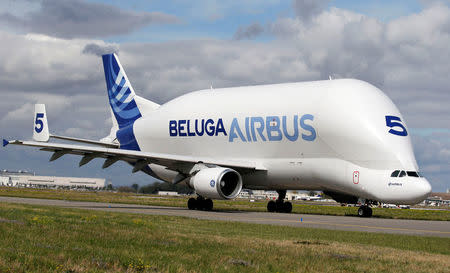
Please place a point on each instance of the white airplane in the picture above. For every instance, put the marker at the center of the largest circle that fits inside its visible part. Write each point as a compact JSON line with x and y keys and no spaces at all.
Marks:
{"x":311,"y":198}
{"x":343,"y":137}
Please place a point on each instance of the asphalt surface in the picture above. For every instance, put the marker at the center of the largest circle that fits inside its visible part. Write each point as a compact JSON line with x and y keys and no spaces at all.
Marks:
{"x":348,"y":223}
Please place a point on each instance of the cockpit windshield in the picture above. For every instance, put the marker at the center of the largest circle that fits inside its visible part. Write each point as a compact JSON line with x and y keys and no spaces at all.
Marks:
{"x":401,"y":173}
{"x":413,"y":174}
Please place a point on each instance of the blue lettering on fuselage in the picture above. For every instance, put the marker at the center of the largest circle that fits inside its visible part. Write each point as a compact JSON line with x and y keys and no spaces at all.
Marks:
{"x":196,"y":127}
{"x":254,"y":129}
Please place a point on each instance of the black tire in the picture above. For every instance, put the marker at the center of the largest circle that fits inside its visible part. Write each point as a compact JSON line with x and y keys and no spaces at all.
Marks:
{"x":201,"y":204}
{"x":208,"y":204}
{"x":368,"y":212}
{"x":365,"y":211}
{"x":192,"y":203}
{"x":271,"y":206}
{"x":287,"y":207}
{"x":361,"y":211}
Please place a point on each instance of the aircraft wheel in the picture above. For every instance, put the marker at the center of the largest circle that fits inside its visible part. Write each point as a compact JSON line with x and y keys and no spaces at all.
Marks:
{"x":364,"y":211}
{"x":361,"y":211}
{"x":279,"y":206}
{"x":287,"y":207}
{"x":271,"y":206}
{"x":192,"y":203}
{"x":369,"y":212}
{"x":208,"y":204}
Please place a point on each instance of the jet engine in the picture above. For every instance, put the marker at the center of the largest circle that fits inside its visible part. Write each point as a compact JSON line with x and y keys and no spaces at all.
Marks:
{"x":217,"y":183}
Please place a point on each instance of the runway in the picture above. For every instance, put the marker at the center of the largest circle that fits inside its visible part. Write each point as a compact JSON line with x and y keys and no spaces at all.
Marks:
{"x":348,"y":223}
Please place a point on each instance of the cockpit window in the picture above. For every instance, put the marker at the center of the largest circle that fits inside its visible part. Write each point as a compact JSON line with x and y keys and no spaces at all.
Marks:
{"x":402,"y":173}
{"x":412,"y":174}
{"x":395,"y":173}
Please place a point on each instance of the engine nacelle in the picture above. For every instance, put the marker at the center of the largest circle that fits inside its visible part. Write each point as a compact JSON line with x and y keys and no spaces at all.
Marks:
{"x":217,"y":183}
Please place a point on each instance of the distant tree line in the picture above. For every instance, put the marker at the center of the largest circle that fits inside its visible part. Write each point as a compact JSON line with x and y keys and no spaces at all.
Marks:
{"x":156,"y":187}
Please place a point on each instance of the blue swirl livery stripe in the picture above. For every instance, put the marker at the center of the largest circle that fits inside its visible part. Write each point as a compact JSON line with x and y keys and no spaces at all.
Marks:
{"x":127,"y":139}
{"x":120,"y":92}
{"x":121,"y":100}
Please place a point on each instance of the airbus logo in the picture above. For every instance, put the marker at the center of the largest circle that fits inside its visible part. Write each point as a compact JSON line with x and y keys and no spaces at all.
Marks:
{"x":394,"y":184}
{"x":249,"y":129}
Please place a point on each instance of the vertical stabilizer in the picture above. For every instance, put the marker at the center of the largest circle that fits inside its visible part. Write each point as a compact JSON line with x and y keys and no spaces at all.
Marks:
{"x":126,"y":106}
{"x":120,"y":92}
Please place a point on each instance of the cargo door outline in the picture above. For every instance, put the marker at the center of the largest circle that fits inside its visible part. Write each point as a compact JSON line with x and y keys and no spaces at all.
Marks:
{"x":356,"y":177}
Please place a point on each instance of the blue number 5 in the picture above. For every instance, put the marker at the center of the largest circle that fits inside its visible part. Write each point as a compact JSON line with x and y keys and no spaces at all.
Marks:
{"x":393,"y":121}
{"x":39,"y":123}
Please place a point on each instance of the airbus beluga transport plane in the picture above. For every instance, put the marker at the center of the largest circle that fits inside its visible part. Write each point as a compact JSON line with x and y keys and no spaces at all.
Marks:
{"x":343,"y":137}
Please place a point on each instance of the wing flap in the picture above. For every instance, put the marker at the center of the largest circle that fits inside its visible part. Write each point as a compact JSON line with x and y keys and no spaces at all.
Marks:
{"x":86,"y":141}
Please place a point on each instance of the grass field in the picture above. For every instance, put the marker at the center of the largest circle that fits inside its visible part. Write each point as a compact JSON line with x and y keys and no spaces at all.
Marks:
{"x":50,"y":239}
{"x":243,"y":205}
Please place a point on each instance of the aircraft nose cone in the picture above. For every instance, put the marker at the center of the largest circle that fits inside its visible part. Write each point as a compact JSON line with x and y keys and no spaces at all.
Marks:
{"x":420,"y":191}
{"x":426,"y":187}
{"x":423,"y":190}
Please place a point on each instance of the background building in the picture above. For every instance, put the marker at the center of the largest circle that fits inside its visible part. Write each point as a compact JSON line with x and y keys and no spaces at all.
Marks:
{"x":29,"y":179}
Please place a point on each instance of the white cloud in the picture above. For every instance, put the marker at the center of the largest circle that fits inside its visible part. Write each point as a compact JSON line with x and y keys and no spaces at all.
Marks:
{"x":433,"y":156}
{"x":248,"y":32}
{"x":307,"y":9}
{"x":78,"y":18}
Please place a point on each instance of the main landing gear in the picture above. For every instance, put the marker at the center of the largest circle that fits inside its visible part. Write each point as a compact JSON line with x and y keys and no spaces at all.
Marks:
{"x":200,"y":203}
{"x":279,"y":205}
{"x":365,"y":211}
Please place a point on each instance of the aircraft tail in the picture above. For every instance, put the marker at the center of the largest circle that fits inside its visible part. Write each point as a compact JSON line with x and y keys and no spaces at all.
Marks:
{"x":126,"y":106}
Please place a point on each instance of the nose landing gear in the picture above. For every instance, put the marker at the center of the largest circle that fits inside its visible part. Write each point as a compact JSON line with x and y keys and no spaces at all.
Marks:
{"x":365,"y":210}
{"x":279,"y":205}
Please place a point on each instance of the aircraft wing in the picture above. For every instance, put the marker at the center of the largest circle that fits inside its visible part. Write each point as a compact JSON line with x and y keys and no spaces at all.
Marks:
{"x":179,"y":163}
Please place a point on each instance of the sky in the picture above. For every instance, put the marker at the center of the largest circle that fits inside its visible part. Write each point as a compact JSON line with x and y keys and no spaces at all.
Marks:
{"x":51,"y":52}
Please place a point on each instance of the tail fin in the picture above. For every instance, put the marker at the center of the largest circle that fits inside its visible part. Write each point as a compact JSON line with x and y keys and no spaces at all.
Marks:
{"x":126,"y":107}
{"x":120,"y":92}
{"x":125,"y":104}
{"x":40,"y":130}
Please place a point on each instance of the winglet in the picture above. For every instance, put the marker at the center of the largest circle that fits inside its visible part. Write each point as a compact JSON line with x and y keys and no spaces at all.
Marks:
{"x":40,"y":130}
{"x":5,"y":142}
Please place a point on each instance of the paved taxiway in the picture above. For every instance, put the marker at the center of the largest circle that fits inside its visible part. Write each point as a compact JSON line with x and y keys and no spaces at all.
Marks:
{"x":410,"y":227}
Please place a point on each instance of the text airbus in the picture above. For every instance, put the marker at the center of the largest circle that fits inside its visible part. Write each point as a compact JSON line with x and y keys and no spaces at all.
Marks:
{"x":251,"y":129}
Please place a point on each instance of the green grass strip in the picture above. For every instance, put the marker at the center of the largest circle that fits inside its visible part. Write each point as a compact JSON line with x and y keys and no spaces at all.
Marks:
{"x":51,"y":239}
